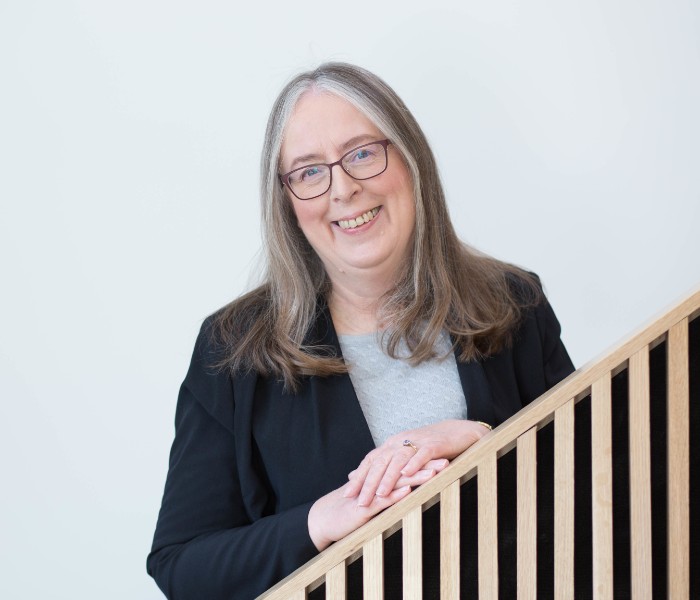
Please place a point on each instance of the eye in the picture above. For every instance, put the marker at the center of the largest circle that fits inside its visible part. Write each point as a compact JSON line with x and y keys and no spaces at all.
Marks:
{"x":362,"y":154}
{"x":310,"y":172}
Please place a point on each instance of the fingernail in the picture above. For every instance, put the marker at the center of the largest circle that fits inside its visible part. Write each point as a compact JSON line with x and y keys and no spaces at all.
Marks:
{"x":405,"y":488}
{"x":381,"y":491}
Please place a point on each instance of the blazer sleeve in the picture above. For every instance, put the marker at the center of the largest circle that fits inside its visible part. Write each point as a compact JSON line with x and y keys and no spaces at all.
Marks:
{"x":206,"y":543}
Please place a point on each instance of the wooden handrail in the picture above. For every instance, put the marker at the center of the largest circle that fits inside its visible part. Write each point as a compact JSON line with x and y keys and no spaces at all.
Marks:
{"x":480,"y":460}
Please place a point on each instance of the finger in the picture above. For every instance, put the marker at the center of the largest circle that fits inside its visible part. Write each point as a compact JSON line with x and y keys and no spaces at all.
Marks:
{"x":379,"y":503}
{"x":438,"y":464}
{"x":393,"y":471}
{"x":415,"y":480}
{"x":432,"y":466}
{"x":382,"y":483}
{"x":417,"y":462}
{"x":357,"y":478}
{"x":352,"y":488}
{"x":371,"y":482}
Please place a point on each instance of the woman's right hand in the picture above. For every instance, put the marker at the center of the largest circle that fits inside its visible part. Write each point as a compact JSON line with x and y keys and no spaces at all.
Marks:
{"x":336,"y":515}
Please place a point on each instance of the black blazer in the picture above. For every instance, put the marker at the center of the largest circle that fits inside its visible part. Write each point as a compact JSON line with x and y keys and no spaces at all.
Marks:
{"x":249,"y":459}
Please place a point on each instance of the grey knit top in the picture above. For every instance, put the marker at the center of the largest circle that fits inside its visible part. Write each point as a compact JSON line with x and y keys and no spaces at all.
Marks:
{"x":395,"y":396}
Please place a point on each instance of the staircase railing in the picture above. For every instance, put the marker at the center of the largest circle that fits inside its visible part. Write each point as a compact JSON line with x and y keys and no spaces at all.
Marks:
{"x":646,"y":378}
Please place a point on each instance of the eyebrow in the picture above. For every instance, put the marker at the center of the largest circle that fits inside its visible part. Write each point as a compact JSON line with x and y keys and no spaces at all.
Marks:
{"x":353,"y":142}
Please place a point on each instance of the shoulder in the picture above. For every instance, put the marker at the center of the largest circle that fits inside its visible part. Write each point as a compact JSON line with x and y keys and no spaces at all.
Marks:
{"x":231,"y":323}
{"x":529,"y":300}
{"x":525,"y":287}
{"x":207,"y":382}
{"x":537,"y":345}
{"x":525,"y":296}
{"x":536,"y":359}
{"x":210,"y":378}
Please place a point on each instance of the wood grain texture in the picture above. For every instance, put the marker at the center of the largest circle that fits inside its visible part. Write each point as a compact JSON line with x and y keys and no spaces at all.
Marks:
{"x":487,"y":490}
{"x":527,"y":515}
{"x":678,"y":462}
{"x":373,"y":568}
{"x":601,"y":485}
{"x":336,"y":585}
{"x":564,"y":501}
{"x":640,"y":475}
{"x":449,"y":542}
{"x":413,"y":555}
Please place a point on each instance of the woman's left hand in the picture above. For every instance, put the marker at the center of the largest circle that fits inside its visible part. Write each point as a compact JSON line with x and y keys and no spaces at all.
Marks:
{"x":381,"y":469}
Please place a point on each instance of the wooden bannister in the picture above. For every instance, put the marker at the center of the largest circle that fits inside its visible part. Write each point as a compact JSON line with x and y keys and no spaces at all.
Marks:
{"x":660,"y":527}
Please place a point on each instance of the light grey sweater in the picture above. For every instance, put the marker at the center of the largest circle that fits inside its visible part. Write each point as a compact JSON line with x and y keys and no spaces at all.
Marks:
{"x":395,"y":396}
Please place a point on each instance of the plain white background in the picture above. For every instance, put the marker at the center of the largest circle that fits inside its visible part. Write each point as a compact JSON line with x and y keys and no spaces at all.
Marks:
{"x":567,"y":137}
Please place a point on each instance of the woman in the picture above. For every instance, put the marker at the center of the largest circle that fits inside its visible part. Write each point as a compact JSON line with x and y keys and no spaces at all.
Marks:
{"x":379,"y":348}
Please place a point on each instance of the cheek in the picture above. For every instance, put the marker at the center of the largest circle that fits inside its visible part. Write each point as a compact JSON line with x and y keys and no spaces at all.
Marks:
{"x":406,"y":203}
{"x":409,"y":216}
{"x":402,"y":183}
{"x":308,"y":214}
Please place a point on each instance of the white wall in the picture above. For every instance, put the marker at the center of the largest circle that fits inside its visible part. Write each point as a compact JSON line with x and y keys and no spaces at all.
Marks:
{"x":567,"y":134}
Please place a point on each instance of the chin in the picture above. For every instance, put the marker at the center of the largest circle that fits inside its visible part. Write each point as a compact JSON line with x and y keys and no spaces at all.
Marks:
{"x":370,"y":262}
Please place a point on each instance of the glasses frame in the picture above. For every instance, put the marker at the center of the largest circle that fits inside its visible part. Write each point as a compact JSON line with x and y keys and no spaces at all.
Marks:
{"x":284,"y":179}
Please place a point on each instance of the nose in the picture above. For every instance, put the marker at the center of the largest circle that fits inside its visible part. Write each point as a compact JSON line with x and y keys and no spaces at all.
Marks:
{"x":343,"y":187}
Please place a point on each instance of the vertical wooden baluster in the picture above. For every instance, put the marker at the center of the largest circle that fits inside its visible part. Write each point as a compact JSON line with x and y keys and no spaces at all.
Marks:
{"x":601,"y":475}
{"x":373,"y":568}
{"x":527,"y":515}
{"x":488,"y":528}
{"x":413,"y":555}
{"x":640,"y":475}
{"x":336,"y":587}
{"x":449,"y":542}
{"x":564,"y":501}
{"x":678,"y":462}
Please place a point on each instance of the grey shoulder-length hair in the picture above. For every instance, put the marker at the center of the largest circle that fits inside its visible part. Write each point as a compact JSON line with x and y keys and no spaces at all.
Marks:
{"x":445,"y":284}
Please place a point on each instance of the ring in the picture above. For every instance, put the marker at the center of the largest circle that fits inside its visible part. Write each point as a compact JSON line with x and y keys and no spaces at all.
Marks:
{"x":411,"y":444}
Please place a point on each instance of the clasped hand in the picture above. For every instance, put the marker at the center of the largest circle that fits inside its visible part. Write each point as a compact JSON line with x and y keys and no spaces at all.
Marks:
{"x":387,"y":474}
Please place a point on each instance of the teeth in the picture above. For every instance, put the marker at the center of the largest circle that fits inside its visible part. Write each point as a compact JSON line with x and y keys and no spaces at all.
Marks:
{"x":361,"y":220}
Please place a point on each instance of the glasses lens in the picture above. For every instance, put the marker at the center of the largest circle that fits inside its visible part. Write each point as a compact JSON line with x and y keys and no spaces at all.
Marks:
{"x":310,"y":181}
{"x":366,"y":161}
{"x":361,"y":163}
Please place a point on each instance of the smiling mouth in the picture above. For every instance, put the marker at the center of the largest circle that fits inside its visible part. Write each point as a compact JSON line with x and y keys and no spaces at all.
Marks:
{"x":361,"y":220}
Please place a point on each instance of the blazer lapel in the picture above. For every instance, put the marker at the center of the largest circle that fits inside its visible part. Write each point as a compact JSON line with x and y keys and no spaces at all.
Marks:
{"x":346,"y":406}
{"x":477,"y":391}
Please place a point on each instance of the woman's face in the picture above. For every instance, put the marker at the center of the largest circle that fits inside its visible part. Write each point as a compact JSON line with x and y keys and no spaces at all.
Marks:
{"x":323,"y":128}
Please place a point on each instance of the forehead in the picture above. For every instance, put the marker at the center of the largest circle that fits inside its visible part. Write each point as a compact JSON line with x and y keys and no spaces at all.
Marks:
{"x":321,"y":125}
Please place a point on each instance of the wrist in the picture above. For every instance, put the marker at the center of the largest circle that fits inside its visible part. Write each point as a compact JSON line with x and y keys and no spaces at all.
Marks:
{"x":483,"y":424}
{"x":319,"y":540}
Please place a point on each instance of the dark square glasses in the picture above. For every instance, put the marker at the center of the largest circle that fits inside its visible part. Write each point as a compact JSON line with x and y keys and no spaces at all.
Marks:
{"x":363,"y":162}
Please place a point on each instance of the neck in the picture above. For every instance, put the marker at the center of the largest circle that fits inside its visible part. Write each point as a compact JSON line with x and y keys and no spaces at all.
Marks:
{"x":354,"y":306}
